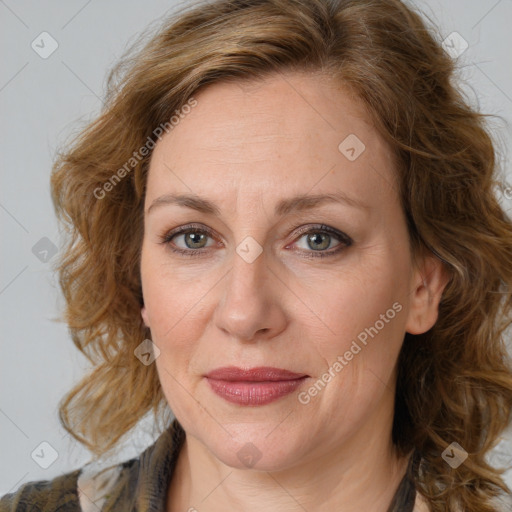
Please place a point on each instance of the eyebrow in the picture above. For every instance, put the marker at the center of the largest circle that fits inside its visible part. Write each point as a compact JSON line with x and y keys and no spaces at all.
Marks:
{"x":284,"y":207}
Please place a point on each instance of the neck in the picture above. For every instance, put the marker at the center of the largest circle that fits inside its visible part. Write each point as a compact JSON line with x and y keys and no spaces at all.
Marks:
{"x":363,"y":474}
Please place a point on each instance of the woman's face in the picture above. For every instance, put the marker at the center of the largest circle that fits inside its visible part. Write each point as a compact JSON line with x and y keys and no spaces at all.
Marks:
{"x":324,"y":288}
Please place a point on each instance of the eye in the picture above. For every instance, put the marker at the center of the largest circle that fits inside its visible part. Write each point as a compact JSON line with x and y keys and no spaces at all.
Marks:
{"x":192,"y":241}
{"x":319,"y":238}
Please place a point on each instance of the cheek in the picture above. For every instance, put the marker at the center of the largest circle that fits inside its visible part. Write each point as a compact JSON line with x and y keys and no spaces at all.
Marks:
{"x":341,"y":306}
{"x":363,"y":314}
{"x":178,"y":309}
{"x":366,"y":321}
{"x":171,"y":297}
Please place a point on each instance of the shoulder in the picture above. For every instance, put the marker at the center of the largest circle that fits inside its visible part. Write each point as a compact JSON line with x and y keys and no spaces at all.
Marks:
{"x":420,"y":504}
{"x":83,"y":490}
{"x":45,"y":495}
{"x":93,"y":488}
{"x":503,"y":503}
{"x":95,"y":485}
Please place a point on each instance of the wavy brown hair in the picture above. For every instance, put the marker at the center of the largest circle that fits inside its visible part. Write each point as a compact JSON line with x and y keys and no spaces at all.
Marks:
{"x":455,"y":381}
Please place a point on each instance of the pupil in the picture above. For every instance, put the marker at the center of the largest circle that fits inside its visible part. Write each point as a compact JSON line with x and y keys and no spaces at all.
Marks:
{"x":317,"y":240}
{"x":193,"y":236}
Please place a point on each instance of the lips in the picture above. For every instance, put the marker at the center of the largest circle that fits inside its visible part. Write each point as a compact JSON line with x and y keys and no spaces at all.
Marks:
{"x":260,"y":374}
{"x":253,"y":386}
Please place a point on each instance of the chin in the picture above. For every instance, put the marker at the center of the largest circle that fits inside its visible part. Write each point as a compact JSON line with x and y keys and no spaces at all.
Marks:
{"x":253,"y":448}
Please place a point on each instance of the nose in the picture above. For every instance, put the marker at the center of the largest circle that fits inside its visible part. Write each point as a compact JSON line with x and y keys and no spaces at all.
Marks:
{"x":251,"y":306}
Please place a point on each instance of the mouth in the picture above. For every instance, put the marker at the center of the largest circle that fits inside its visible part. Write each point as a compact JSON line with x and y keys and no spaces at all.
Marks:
{"x":253,"y":386}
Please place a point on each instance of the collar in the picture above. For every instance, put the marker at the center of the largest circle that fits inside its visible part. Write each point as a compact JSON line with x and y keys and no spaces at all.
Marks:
{"x":140,"y":484}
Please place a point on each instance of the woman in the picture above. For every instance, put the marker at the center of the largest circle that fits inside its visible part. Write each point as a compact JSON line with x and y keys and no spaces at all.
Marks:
{"x":284,"y":229}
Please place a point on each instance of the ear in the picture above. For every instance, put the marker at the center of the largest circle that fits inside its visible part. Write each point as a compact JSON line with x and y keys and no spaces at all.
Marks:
{"x":429,"y":281}
{"x":144,"y":314}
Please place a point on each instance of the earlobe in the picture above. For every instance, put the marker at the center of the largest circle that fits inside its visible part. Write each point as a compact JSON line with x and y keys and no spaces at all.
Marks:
{"x":144,"y":315}
{"x":429,"y":283}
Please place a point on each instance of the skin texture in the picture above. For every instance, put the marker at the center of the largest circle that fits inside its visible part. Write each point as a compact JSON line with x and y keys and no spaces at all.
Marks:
{"x":245,"y":147}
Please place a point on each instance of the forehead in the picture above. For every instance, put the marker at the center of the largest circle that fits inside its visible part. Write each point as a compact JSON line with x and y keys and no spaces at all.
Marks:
{"x":298,"y":131}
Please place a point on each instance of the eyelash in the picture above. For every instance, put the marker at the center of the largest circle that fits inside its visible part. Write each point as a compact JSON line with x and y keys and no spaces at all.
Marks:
{"x":344,"y":239}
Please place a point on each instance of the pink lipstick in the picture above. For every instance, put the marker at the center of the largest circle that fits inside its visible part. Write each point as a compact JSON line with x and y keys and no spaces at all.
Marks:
{"x":254,"y":386}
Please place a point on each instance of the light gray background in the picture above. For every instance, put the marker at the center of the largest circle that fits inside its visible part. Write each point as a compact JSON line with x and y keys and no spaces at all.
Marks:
{"x":42,"y":102}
